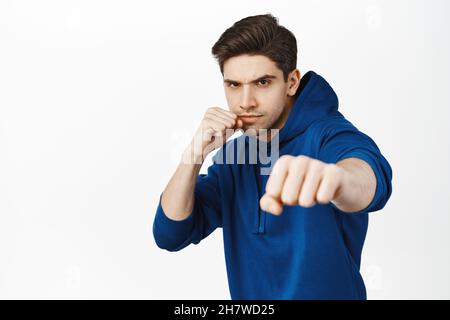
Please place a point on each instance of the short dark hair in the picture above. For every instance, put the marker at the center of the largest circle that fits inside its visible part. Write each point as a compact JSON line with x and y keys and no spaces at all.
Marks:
{"x":258,"y":35}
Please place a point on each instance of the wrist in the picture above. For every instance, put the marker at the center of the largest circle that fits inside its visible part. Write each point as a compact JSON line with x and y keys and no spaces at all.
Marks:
{"x":192,"y":156}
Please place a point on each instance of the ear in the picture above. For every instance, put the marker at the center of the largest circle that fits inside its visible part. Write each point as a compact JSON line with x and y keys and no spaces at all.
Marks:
{"x":294,"y":81}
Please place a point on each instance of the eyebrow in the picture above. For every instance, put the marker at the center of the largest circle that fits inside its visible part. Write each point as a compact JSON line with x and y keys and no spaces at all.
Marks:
{"x":266,"y":76}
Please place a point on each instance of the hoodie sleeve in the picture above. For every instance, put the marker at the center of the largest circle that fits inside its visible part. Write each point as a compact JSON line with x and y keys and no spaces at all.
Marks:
{"x":205,"y":217}
{"x":341,"y":140}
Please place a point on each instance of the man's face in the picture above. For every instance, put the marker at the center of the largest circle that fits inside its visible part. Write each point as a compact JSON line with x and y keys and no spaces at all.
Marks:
{"x":254,"y":86}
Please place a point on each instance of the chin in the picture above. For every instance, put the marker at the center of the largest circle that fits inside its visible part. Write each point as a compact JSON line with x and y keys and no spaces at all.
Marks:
{"x":253,"y":129}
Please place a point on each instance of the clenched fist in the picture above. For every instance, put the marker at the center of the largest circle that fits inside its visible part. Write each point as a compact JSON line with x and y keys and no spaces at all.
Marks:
{"x":215,"y":128}
{"x":301,"y":180}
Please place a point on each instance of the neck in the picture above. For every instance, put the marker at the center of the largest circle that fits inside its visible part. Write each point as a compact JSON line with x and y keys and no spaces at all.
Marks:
{"x":281,"y":121}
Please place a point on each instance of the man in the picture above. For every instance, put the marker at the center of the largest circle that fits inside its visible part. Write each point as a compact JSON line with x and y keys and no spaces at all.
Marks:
{"x":297,"y":233}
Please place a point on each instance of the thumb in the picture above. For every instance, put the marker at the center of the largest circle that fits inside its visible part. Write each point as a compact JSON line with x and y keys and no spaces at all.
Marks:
{"x":271,"y":205}
{"x":239,"y":124}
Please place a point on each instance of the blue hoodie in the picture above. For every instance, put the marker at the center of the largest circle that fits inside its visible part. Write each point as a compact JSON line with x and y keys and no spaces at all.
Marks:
{"x":305,"y":253}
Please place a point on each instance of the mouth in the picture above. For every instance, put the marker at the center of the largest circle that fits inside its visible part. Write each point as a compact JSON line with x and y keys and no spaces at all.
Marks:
{"x":249,"y":118}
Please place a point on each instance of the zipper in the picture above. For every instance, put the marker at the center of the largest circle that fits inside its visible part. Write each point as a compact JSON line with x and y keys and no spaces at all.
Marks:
{"x":260,"y":218}
{"x":260,"y":182}
{"x":260,"y":215}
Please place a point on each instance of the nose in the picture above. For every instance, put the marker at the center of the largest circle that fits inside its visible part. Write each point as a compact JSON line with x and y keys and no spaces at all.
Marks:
{"x":247,"y":98}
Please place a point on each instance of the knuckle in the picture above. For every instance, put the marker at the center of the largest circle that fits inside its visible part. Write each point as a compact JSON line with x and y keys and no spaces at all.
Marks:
{"x":285,"y":159}
{"x":288,"y":199}
{"x":331,"y":167}
{"x":303,"y":158}
{"x":306,"y":204}
{"x":333,"y":170}
{"x":322,"y":198}
{"x":299,"y":161}
{"x":315,"y":164}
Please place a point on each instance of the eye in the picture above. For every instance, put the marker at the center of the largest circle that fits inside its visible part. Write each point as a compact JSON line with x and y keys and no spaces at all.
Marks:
{"x":264,"y":82}
{"x":232,"y":85}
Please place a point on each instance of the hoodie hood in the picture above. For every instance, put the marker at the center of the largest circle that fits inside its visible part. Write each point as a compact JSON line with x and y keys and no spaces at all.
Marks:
{"x":316,"y":99}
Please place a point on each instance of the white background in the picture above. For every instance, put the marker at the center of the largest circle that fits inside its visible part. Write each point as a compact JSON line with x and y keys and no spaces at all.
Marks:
{"x":98,"y":98}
